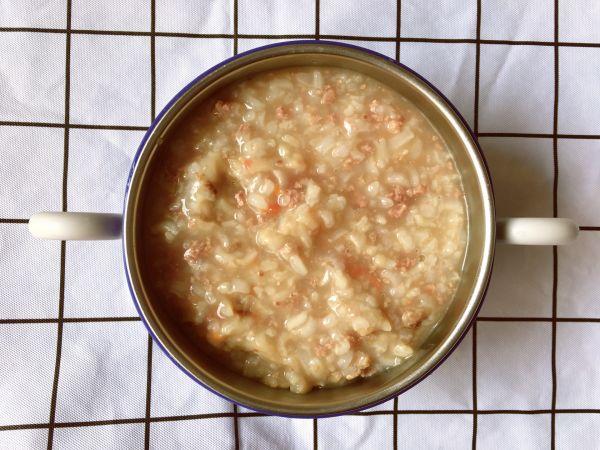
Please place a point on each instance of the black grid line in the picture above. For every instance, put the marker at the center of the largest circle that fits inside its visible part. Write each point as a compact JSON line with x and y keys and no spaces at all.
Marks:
{"x":540,"y":319}
{"x":476,"y":131}
{"x":63,"y":246}
{"x":588,"y":228}
{"x":74,"y":126}
{"x":317,"y":37}
{"x":144,"y":128}
{"x":317,"y":19}
{"x":235,"y":35}
{"x":553,"y":354}
{"x":395,"y":424}
{"x":236,"y":425}
{"x":408,"y":412}
{"x":555,"y":214}
{"x":474,"y":382}
{"x":71,"y":320}
{"x":148,"y":393}
{"x":513,"y":319}
{"x":137,"y":319}
{"x":152,"y":60}
{"x":477,"y":70}
{"x":398,"y":28}
{"x":152,"y":117}
{"x":8,"y":123}
{"x":16,"y":221}
{"x":59,"y":337}
{"x":540,"y":135}
{"x":577,"y":319}
{"x":398,"y":36}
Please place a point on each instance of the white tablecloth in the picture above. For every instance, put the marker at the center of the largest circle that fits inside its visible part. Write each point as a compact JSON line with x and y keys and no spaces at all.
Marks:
{"x":76,"y":366}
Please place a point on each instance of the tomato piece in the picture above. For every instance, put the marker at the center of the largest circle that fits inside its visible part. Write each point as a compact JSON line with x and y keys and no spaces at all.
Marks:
{"x":274,"y":208}
{"x":355,"y":270}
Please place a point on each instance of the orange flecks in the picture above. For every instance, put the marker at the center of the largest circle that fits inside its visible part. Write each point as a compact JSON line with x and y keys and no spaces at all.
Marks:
{"x":274,"y":208}
{"x":375,"y":281}
{"x":361,"y":201}
{"x":360,"y":271}
{"x":214,"y":337}
{"x":198,"y":248}
{"x":221,"y":107}
{"x":356,"y":270}
{"x":395,"y":125}
{"x":429,"y":289}
{"x":418,"y":190}
{"x":406,"y":263}
{"x":240,"y":198}
{"x":281,"y":113}
{"x":328,"y":95}
{"x":398,"y":194}
{"x":243,"y":128}
{"x":397,"y":211}
{"x":367,"y":148}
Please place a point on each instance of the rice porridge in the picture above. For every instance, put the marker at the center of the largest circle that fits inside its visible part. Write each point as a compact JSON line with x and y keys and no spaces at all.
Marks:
{"x":306,"y":225}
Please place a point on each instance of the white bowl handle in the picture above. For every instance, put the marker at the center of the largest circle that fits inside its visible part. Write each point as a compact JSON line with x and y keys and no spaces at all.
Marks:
{"x":536,"y":231}
{"x":96,"y":226}
{"x":75,"y":226}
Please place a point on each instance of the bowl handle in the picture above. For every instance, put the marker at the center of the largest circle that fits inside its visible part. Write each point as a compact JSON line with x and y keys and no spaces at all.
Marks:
{"x":75,"y":226}
{"x":536,"y":231}
{"x":98,"y":226}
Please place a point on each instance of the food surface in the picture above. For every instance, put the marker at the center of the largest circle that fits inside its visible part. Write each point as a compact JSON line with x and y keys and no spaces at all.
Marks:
{"x":307,"y":225}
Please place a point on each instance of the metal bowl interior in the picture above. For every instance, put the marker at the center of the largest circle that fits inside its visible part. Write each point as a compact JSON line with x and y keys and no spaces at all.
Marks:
{"x":478,"y":259}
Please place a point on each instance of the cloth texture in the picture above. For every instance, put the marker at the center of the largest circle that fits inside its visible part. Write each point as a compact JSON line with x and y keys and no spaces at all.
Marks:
{"x":81,"y":80}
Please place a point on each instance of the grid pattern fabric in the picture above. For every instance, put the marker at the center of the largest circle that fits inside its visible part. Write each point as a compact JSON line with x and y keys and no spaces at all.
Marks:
{"x":80,"y":81}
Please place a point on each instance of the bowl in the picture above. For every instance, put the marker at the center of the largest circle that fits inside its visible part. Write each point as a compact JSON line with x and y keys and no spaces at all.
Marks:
{"x":369,"y":391}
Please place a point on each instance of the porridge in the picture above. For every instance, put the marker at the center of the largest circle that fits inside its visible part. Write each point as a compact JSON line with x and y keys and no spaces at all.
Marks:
{"x":308,"y":226}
